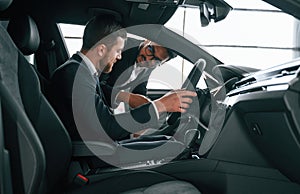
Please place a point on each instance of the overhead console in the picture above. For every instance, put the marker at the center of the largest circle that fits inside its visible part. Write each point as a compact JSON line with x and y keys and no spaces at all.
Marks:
{"x":210,"y":10}
{"x":268,"y":102}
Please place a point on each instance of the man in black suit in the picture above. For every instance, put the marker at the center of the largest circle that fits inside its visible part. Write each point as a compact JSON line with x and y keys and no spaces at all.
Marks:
{"x":127,"y":82}
{"x":78,"y":98}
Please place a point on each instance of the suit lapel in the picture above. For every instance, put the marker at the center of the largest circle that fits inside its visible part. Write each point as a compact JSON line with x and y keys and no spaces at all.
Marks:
{"x":84,"y":66}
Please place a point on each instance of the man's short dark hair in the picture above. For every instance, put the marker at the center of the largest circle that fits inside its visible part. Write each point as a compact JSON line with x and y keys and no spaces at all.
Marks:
{"x":102,"y":29}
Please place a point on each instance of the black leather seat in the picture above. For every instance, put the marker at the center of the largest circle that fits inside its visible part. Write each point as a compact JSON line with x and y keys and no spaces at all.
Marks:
{"x":24,"y":32}
{"x":48,"y":142}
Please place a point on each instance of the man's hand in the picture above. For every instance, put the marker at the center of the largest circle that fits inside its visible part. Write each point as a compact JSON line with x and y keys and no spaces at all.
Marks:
{"x":175,"y":101}
{"x":134,"y":100}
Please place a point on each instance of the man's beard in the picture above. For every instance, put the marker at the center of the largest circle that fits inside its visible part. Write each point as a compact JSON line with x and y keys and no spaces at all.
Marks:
{"x":107,"y":68}
{"x":146,"y":64}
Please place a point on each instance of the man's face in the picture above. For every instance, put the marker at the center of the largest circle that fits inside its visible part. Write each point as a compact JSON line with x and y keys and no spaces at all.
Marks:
{"x":113,"y":54}
{"x":152,"y":55}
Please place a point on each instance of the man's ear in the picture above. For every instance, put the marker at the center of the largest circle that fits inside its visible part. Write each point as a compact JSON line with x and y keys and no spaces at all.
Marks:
{"x":101,"y":50}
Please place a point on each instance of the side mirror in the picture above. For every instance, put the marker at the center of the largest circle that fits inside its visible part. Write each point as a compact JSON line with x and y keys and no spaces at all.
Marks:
{"x":213,"y":9}
{"x":204,"y":15}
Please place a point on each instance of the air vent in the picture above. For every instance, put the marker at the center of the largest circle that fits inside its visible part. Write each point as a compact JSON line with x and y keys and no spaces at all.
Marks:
{"x":267,"y":75}
{"x":287,"y":71}
{"x":245,"y":82}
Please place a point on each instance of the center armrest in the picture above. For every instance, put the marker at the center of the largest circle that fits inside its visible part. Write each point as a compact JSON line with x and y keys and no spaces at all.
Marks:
{"x":92,"y":148}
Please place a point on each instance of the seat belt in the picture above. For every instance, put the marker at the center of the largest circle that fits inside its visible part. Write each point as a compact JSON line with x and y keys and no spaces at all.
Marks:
{"x":77,"y":174}
{"x":50,"y":57}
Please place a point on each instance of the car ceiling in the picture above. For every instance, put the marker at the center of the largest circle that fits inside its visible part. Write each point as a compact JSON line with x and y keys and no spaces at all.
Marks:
{"x":79,"y":11}
{"x":130,"y":12}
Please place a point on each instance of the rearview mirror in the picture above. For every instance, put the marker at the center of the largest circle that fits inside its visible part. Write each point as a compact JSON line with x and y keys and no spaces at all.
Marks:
{"x":205,"y":15}
{"x":215,"y":10}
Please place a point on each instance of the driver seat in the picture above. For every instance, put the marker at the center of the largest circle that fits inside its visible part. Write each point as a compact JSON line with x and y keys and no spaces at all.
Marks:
{"x":48,"y":140}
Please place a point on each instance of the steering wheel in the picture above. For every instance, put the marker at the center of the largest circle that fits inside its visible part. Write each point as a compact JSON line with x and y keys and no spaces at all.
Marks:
{"x":189,"y":84}
{"x":177,"y":122}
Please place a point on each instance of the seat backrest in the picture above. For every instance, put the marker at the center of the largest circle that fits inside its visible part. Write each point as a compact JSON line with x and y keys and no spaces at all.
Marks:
{"x":25,"y":34}
{"x":4,"y":4}
{"x":26,"y":154}
{"x":26,"y":166}
{"x":22,"y":80}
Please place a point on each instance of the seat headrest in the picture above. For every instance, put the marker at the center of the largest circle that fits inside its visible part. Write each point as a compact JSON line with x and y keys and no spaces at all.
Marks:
{"x":24,"y":32}
{"x":4,"y":4}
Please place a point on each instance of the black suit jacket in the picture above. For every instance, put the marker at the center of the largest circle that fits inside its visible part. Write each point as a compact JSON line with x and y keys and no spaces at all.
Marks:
{"x":79,"y":102}
{"x":112,"y":82}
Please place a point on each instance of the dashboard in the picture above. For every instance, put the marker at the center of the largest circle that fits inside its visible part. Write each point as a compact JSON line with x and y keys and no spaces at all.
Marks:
{"x":268,"y":105}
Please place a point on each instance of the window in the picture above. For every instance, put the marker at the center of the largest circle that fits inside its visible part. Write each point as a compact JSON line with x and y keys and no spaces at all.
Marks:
{"x":72,"y":36}
{"x":253,"y":34}
{"x":170,"y":75}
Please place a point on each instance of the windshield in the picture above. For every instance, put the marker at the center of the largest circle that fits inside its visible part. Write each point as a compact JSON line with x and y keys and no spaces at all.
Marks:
{"x":254,"y":34}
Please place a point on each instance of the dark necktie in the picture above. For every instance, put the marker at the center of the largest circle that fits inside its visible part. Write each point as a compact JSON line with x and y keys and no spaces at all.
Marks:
{"x":97,"y":82}
{"x":98,"y":88}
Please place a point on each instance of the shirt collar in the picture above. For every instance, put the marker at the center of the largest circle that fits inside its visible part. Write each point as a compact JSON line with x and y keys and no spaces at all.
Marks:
{"x":89,"y":63}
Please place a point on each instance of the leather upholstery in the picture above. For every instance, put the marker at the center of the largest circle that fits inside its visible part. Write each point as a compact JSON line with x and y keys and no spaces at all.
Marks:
{"x":24,"y":32}
{"x":4,"y":4}
{"x":174,"y":187}
{"x":23,"y":145}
